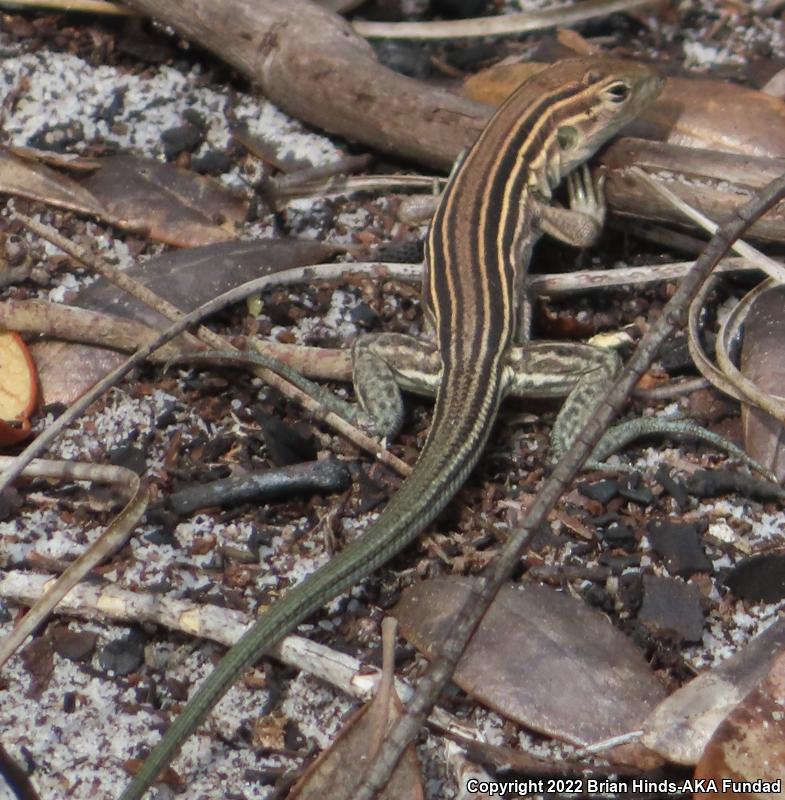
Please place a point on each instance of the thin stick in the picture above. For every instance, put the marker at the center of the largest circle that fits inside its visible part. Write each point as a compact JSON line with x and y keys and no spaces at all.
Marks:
{"x":83,"y":6}
{"x":467,"y":619}
{"x":506,"y":25}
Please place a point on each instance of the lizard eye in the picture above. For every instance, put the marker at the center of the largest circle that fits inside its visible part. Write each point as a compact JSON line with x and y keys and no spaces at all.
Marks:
{"x":567,"y":137}
{"x":618,"y":92}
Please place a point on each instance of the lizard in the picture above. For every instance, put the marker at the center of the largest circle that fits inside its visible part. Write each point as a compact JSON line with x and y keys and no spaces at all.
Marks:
{"x":495,"y":207}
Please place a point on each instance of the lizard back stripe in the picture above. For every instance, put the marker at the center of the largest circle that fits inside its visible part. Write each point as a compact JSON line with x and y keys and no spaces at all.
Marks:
{"x":474,"y":255}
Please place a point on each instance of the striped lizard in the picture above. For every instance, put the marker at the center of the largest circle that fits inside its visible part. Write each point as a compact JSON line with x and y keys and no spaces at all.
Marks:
{"x":495,"y":207}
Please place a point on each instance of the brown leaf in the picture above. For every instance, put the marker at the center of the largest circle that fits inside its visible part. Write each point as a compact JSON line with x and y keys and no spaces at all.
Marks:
{"x":337,"y":772}
{"x":749,"y":744}
{"x":495,"y":84}
{"x":541,"y":658}
{"x":170,"y":204}
{"x":26,"y":178}
{"x":763,"y":362}
{"x":173,"y":205}
{"x":680,"y":728}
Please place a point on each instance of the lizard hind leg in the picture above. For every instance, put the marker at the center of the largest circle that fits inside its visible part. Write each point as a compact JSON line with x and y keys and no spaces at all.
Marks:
{"x":385,"y":363}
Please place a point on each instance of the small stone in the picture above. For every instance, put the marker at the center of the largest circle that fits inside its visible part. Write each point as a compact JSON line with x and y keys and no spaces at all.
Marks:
{"x":123,"y":656}
{"x":364,"y":316}
{"x":603,"y":491}
{"x":75,"y":645}
{"x":182,"y":139}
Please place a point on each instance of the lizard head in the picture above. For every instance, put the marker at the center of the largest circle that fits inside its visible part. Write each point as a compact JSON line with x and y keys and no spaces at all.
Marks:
{"x":597,"y":98}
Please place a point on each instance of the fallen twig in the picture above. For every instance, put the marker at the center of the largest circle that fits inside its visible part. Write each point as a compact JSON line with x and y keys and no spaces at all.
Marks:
{"x":300,"y":54}
{"x":506,"y":25}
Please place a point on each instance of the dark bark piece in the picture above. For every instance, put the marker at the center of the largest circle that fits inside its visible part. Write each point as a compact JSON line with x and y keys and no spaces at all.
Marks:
{"x":679,"y":545}
{"x":311,"y":64}
{"x":763,"y":362}
{"x":38,"y":658}
{"x":670,"y":606}
{"x":758,"y":579}
{"x":674,"y":487}
{"x":322,"y":477}
{"x":539,"y":657}
{"x":619,"y":536}
{"x":603,"y":490}
{"x":711,"y":483}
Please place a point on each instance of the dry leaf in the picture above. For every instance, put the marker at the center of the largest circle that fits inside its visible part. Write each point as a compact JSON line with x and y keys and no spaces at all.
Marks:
{"x":337,"y":772}
{"x":763,"y":362}
{"x":680,"y":728}
{"x":749,"y":744}
{"x":714,"y":115}
{"x":173,"y":205}
{"x":541,"y":658}
{"x":170,"y":204}
{"x":26,"y":178}
{"x":338,"y":768}
{"x":186,"y":278}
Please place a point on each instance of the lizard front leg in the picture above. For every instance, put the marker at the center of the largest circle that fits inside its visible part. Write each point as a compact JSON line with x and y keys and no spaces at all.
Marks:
{"x":581,"y":224}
